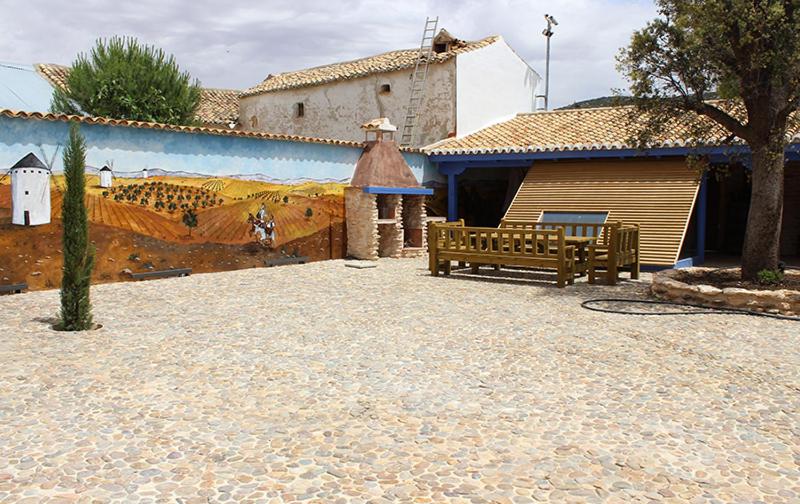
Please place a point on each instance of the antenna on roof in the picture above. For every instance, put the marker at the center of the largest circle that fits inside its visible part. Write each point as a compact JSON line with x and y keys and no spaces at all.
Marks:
{"x":547,"y":32}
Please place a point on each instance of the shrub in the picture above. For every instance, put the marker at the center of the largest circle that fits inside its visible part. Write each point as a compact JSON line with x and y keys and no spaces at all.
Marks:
{"x":770,"y":277}
{"x":309,"y":212}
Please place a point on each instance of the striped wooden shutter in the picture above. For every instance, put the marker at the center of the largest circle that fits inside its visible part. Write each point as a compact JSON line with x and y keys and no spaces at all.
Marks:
{"x":658,"y":194}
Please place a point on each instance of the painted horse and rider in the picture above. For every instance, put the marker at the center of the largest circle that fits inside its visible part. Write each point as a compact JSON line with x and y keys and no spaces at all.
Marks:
{"x":262,"y":227}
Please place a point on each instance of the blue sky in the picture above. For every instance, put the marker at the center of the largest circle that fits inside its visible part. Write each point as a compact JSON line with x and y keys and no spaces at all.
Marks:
{"x":236,"y":43}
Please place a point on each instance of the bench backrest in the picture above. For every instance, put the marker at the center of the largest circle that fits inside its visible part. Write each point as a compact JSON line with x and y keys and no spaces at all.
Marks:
{"x":625,"y":238}
{"x":584,"y":229}
{"x":534,"y":243}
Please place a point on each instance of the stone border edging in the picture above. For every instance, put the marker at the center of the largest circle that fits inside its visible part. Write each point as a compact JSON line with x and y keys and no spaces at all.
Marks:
{"x":666,"y":286}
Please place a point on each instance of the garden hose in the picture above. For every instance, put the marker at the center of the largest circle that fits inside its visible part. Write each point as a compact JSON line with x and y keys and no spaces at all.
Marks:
{"x":699,"y":309}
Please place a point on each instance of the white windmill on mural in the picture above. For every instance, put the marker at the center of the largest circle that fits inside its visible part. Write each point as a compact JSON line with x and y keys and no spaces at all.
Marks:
{"x":106,"y":175}
{"x":30,"y":191}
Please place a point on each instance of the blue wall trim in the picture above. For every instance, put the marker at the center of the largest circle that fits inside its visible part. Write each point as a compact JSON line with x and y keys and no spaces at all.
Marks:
{"x":398,"y":190}
{"x":487,"y":159}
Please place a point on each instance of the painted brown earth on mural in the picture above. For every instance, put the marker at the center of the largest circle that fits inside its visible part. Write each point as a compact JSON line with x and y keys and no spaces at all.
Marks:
{"x":33,"y":255}
{"x":225,"y":223}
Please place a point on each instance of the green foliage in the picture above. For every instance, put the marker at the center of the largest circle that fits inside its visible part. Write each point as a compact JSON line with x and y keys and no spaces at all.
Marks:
{"x":729,"y":49}
{"x":76,"y":309}
{"x":285,"y":199}
{"x":123,"y":79}
{"x":746,"y":52}
{"x":189,"y":219}
{"x":770,"y":277}
{"x":309,"y":212}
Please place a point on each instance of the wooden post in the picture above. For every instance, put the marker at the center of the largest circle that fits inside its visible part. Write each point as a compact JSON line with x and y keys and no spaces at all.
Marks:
{"x":433,"y":242}
{"x":562,"y":260}
{"x":613,"y":245}
{"x":636,"y":266}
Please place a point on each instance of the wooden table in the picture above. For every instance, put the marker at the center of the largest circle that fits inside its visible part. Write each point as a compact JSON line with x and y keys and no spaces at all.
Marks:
{"x":581,"y":243}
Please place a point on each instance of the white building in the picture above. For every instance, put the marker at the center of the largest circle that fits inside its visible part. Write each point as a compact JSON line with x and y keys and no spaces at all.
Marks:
{"x":470,"y":85}
{"x":106,"y":177}
{"x":30,"y":192}
{"x":144,"y":173}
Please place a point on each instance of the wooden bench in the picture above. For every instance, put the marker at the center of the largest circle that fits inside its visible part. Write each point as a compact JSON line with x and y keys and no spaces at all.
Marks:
{"x":13,"y":288}
{"x":282,"y":261}
{"x":533,"y":248}
{"x":177,"y":272}
{"x":617,"y":249}
{"x":579,"y":234}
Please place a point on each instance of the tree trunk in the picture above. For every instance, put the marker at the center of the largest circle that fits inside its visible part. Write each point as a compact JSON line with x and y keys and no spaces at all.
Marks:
{"x":762,"y":237}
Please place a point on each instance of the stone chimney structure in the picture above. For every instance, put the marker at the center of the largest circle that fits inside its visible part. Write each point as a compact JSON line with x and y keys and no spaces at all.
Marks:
{"x":384,"y":204}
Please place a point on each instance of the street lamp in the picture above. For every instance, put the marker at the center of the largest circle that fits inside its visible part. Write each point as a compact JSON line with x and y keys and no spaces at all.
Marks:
{"x":548,"y":32}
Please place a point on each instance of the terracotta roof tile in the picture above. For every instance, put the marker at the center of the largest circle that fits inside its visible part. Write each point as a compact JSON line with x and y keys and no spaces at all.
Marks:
{"x":603,"y":128}
{"x":217,"y":106}
{"x":386,"y":62}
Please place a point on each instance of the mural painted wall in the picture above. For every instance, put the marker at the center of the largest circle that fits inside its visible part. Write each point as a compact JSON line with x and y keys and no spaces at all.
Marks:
{"x":209,"y":202}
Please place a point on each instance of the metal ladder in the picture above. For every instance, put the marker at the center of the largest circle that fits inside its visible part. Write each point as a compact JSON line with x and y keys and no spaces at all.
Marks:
{"x":419,"y":77}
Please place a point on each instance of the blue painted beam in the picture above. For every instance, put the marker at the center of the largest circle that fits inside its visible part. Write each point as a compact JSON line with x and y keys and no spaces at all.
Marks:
{"x":702,"y":215}
{"x":399,"y":190}
{"x":452,"y":197}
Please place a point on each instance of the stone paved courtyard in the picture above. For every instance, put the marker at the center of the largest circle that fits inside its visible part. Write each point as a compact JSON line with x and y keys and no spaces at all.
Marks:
{"x":322,"y":383}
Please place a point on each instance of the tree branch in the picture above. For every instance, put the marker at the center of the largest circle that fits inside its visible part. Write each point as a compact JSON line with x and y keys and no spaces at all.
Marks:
{"x":724,"y":119}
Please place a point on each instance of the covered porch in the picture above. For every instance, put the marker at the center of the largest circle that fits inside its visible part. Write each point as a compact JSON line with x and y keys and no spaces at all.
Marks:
{"x":686,"y":217}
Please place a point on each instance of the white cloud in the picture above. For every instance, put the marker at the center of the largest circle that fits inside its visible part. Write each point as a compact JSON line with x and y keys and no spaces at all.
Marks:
{"x":238,"y":42}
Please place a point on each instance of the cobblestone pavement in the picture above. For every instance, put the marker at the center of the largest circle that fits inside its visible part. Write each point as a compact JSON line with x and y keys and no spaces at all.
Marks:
{"x":322,"y":383}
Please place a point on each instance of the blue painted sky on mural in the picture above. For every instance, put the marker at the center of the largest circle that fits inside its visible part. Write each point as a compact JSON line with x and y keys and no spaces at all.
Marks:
{"x":236,"y":43}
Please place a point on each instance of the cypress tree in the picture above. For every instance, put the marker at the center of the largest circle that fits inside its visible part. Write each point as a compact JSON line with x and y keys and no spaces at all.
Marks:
{"x":76,"y":309}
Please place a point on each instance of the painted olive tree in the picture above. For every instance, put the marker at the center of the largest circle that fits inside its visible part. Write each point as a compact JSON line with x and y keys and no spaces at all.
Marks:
{"x":748,"y":51}
{"x":124,"y":79}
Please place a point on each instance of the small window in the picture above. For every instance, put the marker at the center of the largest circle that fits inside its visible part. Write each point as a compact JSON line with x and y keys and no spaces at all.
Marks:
{"x":386,"y":89}
{"x":27,"y":193}
{"x":299,"y":109}
{"x":440,"y":48}
{"x":575,"y":218}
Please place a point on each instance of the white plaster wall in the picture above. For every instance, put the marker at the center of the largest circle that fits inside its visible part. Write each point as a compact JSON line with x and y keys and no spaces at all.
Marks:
{"x":30,"y":192}
{"x":493,"y":84}
{"x":338,"y":109}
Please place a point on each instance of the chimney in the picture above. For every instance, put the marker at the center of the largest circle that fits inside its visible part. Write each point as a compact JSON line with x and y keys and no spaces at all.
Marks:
{"x":378,"y":130}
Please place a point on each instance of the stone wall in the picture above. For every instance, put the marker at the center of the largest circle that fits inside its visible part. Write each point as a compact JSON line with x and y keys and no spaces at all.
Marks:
{"x":390,"y":242}
{"x":666,"y":286}
{"x":361,"y":212}
{"x":414,"y":214}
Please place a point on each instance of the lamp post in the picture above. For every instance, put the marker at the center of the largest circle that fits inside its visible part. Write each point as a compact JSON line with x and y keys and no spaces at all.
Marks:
{"x":548,"y":32}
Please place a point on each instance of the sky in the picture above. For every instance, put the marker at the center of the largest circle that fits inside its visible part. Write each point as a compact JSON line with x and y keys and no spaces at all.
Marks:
{"x":236,"y":43}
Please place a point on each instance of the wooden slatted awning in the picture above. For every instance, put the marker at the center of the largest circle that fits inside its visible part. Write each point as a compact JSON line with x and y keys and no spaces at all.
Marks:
{"x":657,"y":194}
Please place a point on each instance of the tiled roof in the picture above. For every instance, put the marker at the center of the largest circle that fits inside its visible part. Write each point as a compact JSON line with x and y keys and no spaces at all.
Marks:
{"x":386,"y":62}
{"x":56,"y":74}
{"x":217,"y":106}
{"x":185,"y":129}
{"x":604,"y":128}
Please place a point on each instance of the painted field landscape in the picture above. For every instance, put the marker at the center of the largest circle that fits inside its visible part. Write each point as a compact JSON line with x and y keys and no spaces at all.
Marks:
{"x":139,"y":224}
